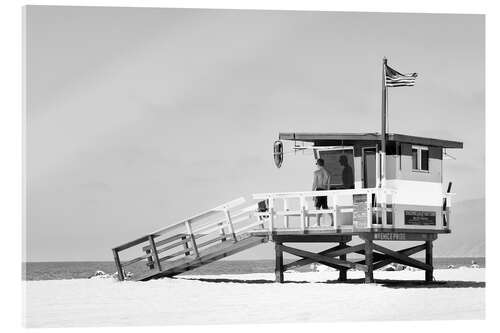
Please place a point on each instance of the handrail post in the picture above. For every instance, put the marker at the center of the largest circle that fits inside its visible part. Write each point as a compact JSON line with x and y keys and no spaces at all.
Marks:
{"x":334,"y":214}
{"x":191,"y":236}
{"x":155,"y":252}
{"x":222,"y":232}
{"x":271,"y":215}
{"x":230,"y":224}
{"x":369,"y":207}
{"x":286,"y":217}
{"x":118,"y":264}
{"x":302,"y":212}
{"x":383,"y":207}
{"x":448,"y":211}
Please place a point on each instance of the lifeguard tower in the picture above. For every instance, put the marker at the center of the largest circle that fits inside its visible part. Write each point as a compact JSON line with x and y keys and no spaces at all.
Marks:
{"x":397,"y":195}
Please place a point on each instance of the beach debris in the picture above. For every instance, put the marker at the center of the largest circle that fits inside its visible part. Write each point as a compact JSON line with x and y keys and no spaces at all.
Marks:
{"x":394,"y":267}
{"x":126,"y":275}
{"x":103,"y":275}
{"x":315,"y":267}
{"x":100,"y":275}
{"x":474,"y":264}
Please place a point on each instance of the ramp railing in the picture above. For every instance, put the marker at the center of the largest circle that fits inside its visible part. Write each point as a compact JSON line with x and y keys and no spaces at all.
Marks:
{"x":187,"y":239}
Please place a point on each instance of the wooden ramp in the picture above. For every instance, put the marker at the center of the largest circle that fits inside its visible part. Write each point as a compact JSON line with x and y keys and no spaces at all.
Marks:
{"x":211,"y":254}
{"x":191,"y":243}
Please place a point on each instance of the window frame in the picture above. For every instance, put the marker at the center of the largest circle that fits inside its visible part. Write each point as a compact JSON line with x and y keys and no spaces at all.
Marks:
{"x":419,"y":150}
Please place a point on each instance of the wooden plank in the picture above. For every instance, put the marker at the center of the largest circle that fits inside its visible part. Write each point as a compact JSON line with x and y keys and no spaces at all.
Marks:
{"x":155,"y":253}
{"x":428,"y":261}
{"x":402,"y":258}
{"x":216,"y":239}
{"x":235,"y":218}
{"x":133,"y":261}
{"x":250,"y":226}
{"x":216,"y":252}
{"x":315,"y":238}
{"x":118,"y":264}
{"x":166,"y":240}
{"x":278,"y":268}
{"x":175,"y":254}
{"x":321,"y":258}
{"x":202,"y":215}
{"x":183,"y":241}
{"x":131,"y":243}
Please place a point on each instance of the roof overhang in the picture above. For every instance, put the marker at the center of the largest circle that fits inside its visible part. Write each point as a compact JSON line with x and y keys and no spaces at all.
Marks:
{"x":353,"y":137}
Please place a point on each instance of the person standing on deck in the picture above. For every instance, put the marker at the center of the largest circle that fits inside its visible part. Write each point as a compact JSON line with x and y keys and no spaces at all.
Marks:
{"x":321,"y":182}
{"x":347,"y":174}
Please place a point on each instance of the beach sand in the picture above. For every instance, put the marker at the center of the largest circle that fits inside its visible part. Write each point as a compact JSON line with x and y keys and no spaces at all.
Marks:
{"x":254,"y":298}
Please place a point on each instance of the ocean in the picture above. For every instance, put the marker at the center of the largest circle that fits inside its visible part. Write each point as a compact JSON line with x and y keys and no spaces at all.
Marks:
{"x":85,"y":269}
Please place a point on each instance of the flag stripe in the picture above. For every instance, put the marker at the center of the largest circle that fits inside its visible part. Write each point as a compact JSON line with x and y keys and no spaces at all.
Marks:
{"x":400,"y":85}
{"x":399,"y":79}
{"x":395,"y":79}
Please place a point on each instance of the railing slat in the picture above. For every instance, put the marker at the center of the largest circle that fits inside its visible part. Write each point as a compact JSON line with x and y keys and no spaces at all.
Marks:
{"x":155,"y":253}
{"x":192,"y":238}
{"x":230,"y":225}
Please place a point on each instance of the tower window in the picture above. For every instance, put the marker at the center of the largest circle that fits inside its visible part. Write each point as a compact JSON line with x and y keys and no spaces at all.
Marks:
{"x":420,"y":158}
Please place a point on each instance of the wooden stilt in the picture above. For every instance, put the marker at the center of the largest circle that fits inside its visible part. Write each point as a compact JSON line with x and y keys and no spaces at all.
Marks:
{"x":278,"y":270}
{"x":428,"y":261}
{"x":119,"y":268}
{"x":343,"y":271}
{"x":369,"y":261}
{"x":155,"y":252}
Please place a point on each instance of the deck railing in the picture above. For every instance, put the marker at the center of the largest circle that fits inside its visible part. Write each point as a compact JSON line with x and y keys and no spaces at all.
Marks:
{"x":379,"y":203}
{"x":189,"y":237}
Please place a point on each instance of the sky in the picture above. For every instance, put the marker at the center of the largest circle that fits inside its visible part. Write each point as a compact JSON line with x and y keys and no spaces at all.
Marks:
{"x":138,"y":118}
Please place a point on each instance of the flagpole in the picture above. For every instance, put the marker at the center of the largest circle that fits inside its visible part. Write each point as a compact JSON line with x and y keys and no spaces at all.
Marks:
{"x":384,"y":123}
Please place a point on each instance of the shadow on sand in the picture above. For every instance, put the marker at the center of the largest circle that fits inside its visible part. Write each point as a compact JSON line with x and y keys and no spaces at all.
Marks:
{"x":396,"y":284}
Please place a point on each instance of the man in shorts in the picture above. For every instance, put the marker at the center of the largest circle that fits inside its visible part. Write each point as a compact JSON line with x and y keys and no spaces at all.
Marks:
{"x":321,"y":182}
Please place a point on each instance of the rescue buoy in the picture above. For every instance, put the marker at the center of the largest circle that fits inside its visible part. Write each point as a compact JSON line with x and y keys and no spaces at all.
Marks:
{"x":278,"y":153}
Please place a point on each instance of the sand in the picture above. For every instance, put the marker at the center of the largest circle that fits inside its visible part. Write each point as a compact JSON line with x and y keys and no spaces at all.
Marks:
{"x":253,"y":298}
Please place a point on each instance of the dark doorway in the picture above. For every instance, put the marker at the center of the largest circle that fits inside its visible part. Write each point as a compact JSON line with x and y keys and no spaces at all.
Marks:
{"x":369,"y":167}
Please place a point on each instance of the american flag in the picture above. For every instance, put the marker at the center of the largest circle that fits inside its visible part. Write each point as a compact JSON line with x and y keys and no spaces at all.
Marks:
{"x":395,"y":79}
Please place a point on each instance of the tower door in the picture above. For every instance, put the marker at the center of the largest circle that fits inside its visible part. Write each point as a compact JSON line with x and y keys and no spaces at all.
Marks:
{"x":369,"y":167}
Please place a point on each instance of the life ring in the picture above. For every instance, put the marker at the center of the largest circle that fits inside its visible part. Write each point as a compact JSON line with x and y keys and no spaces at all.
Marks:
{"x":278,"y":153}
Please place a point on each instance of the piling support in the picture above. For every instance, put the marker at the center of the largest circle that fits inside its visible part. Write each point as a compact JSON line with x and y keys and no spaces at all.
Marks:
{"x":428,"y":261}
{"x":343,"y":271}
{"x":119,"y":268}
{"x":369,"y":261}
{"x":278,"y":269}
{"x":155,"y":252}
